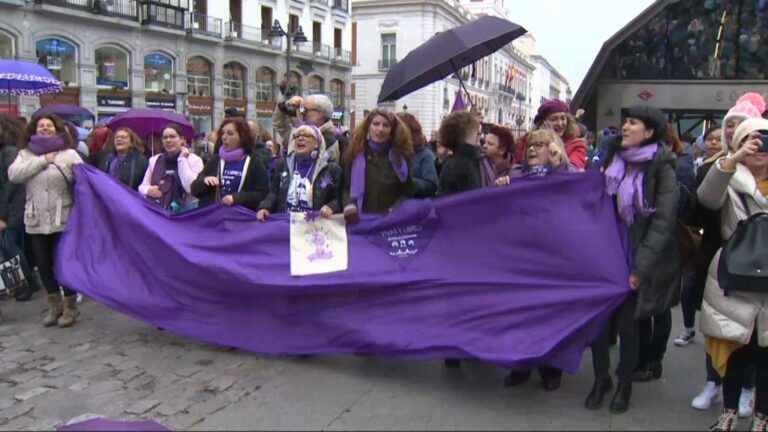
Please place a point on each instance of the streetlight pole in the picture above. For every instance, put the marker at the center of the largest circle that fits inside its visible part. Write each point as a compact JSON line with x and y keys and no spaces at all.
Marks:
{"x":291,"y":37}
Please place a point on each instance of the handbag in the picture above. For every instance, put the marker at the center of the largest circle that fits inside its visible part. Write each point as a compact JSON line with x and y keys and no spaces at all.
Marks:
{"x":689,"y":243}
{"x":743,"y":264}
{"x":12,"y":277}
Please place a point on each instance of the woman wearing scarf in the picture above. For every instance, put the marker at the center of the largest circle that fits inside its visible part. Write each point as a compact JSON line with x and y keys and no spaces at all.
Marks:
{"x":423,"y":169}
{"x":377,"y":177}
{"x":736,"y":323}
{"x":123,"y":158}
{"x":553,"y":114}
{"x":499,"y":147}
{"x":170,"y":175}
{"x":640,"y":174}
{"x":44,"y":165}
{"x":544,"y":155}
{"x":233,"y":174}
{"x":467,"y":168}
{"x":306,"y":180}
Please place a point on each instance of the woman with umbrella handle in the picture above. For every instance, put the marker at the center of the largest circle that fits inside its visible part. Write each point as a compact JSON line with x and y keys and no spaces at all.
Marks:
{"x":376,"y":166}
{"x":44,"y":165}
{"x":170,"y":175}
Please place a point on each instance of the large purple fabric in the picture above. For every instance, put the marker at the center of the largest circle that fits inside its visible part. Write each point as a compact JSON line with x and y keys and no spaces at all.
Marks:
{"x":102,"y":424}
{"x":522,"y":275}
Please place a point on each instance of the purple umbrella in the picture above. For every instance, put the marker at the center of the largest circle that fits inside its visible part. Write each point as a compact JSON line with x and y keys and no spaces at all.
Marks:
{"x":446,"y":53}
{"x":26,"y":78}
{"x":459,"y":104}
{"x":147,"y":121}
{"x":71,"y":113}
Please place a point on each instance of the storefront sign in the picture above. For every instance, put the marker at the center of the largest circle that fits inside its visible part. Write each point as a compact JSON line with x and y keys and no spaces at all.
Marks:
{"x":265,"y":109}
{"x":69,"y":96}
{"x":161,"y":104}
{"x":337,"y":115}
{"x":114,"y":101}
{"x":235,"y":107}
{"x":104,"y":81}
{"x":200,"y":105}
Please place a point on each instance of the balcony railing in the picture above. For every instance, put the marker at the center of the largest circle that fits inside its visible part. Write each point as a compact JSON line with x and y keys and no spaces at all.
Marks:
{"x":342,"y":55}
{"x":155,"y":13}
{"x":385,"y":64}
{"x":240,"y":31}
{"x":205,"y":24}
{"x":341,"y":5}
{"x":320,"y":2}
{"x":118,"y":8}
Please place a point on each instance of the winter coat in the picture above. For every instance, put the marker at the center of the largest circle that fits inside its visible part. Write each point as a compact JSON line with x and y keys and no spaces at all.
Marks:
{"x":461,"y":171}
{"x":254,"y":184}
{"x":424,"y":173}
{"x":653,"y":237}
{"x":132,"y":168}
{"x":327,"y":188}
{"x":189,"y":168}
{"x":383,"y":189}
{"x":260,"y":152}
{"x":12,"y":195}
{"x":576,"y":149}
{"x":48,"y":198}
{"x":736,"y":316}
{"x":686,"y":177}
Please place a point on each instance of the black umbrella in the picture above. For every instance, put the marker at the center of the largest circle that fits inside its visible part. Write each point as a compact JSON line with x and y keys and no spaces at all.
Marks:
{"x":447,"y":52}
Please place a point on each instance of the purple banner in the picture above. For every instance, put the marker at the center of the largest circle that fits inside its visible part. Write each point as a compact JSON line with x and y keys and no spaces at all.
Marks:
{"x":519,"y":276}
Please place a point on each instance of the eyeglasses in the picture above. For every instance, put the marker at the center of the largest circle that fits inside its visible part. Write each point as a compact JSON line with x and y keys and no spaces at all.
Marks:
{"x":311,"y":109}
{"x":536,"y":145}
{"x":303,"y":135}
{"x":714,"y":137}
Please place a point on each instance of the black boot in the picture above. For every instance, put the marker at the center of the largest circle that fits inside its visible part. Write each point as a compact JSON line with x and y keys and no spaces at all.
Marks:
{"x":597,"y":394}
{"x":23,"y":293}
{"x":452,"y":363}
{"x":655,"y":369}
{"x":550,"y":378}
{"x":515,"y":378}
{"x":620,"y":401}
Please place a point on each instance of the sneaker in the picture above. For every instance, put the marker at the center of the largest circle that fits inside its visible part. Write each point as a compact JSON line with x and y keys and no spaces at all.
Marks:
{"x":709,"y":395}
{"x":759,"y":423}
{"x":726,"y":422}
{"x":746,"y":401}
{"x":685,"y":338}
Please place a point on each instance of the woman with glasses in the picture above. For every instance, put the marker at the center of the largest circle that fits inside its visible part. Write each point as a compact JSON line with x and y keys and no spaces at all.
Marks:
{"x":233,"y":176}
{"x":306,"y":180}
{"x":123,"y":158}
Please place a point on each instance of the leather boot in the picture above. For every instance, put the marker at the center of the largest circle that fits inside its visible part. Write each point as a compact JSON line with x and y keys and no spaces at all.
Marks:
{"x":597,"y":394}
{"x":67,"y":319}
{"x":620,"y":401}
{"x":55,"y":309}
{"x":550,"y":377}
{"x":515,"y":378}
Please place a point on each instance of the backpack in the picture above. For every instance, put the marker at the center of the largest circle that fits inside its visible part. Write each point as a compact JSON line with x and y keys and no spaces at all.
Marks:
{"x":743,"y":264}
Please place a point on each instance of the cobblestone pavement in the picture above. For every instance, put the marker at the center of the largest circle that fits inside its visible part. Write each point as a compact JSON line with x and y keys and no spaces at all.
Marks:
{"x":113,"y":366}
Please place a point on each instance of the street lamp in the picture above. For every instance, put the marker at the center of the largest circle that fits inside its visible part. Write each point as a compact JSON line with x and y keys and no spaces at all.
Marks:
{"x":297,"y":37}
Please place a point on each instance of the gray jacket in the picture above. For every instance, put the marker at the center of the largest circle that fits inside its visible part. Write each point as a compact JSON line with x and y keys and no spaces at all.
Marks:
{"x":736,"y":316}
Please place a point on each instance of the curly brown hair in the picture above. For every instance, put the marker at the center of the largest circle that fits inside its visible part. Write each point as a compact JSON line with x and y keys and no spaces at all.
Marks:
{"x":400,"y":136}
{"x":58,"y":123}
{"x":243,"y":131}
{"x":136,"y":142}
{"x":673,"y":140}
{"x":417,"y":134}
{"x":456,"y":127}
{"x":11,"y":130}
{"x":571,"y":128}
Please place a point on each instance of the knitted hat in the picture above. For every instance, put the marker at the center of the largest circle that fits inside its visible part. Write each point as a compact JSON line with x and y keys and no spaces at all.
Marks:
{"x":749,"y":105}
{"x":747,"y":127}
{"x":652,"y":118}
{"x":548,"y":108}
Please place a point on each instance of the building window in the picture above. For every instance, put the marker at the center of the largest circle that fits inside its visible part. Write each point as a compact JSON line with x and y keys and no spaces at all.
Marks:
{"x":6,"y":47}
{"x":295,"y":84}
{"x":234,"y":80}
{"x":315,"y":85}
{"x":388,"y":50}
{"x":59,"y":57}
{"x":199,"y":77}
{"x":265,"y":85}
{"x":337,"y":94}
{"x":293,"y":23}
{"x":158,"y":73}
{"x":112,"y":67}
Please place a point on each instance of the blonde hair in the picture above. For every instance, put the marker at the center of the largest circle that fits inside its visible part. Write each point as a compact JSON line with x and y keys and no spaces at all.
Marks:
{"x":556,"y":146}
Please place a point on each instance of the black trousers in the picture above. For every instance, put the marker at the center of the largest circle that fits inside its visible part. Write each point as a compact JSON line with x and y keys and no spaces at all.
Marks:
{"x":629,"y":340}
{"x":654,"y":335}
{"x":690,"y":297}
{"x":44,"y":252}
{"x":739,"y":364}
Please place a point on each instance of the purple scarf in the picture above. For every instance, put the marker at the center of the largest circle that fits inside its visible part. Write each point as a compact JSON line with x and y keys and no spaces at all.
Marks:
{"x":231,"y":155}
{"x":41,"y":145}
{"x":624,"y":178}
{"x":357,"y":180}
{"x":114,"y":165}
{"x":305,"y":165}
{"x":170,"y":185}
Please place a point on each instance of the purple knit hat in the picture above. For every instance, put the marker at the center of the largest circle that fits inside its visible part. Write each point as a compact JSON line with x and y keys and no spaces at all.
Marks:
{"x":548,"y":108}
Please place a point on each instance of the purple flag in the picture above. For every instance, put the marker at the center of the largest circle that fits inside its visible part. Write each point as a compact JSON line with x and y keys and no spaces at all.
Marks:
{"x":519,"y":276}
{"x":459,"y":104}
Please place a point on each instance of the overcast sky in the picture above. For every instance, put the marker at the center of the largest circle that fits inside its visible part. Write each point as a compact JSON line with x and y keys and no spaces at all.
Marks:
{"x":570,"y":33}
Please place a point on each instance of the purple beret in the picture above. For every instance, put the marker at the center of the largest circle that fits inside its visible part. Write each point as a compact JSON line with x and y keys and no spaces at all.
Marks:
{"x":548,"y":108}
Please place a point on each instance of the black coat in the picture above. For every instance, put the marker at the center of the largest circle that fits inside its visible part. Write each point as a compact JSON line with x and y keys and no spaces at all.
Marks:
{"x":461,"y":171}
{"x":653,"y":238}
{"x":255,"y":186}
{"x":13,"y":196}
{"x":327,"y":188}
{"x":132,"y":168}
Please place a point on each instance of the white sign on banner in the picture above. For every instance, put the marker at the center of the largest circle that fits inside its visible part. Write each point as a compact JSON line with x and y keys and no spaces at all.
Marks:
{"x":318,"y":245}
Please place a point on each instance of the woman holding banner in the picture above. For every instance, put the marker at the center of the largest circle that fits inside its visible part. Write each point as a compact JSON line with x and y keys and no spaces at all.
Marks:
{"x":169,"y":178}
{"x":376,"y":166}
{"x":306,"y":180}
{"x":233,"y":175}
{"x":640,"y":173}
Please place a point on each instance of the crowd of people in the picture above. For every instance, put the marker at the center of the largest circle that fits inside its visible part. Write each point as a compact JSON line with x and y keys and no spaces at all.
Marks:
{"x":665,"y":192}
